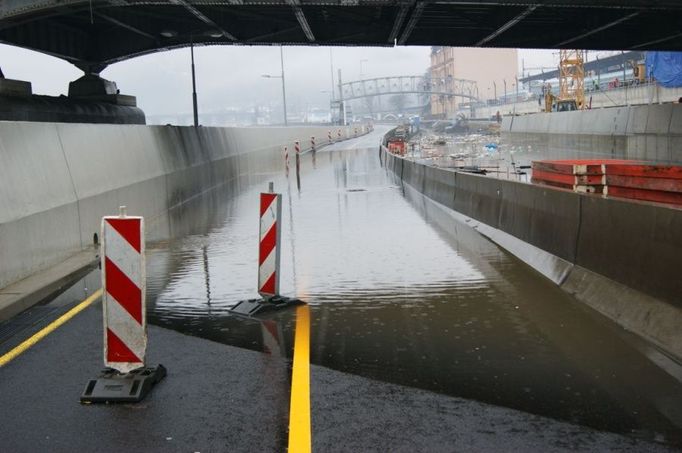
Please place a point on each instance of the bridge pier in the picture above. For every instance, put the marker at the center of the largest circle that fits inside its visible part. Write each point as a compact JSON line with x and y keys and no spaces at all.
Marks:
{"x":91,"y":99}
{"x":92,"y":87}
{"x":14,"y":88}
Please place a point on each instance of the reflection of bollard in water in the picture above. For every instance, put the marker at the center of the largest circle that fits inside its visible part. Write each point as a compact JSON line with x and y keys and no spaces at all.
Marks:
{"x":298,"y":172}
{"x":272,"y":338}
{"x":298,"y":163}
{"x":126,"y":378}
{"x":286,"y":160}
{"x":314,"y":150}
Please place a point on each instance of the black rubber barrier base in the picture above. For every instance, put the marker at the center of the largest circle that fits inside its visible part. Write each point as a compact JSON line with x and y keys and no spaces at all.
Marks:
{"x":115,"y":387}
{"x":253,"y":307}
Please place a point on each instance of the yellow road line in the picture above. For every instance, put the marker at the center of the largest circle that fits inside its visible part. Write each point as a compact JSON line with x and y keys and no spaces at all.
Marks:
{"x":299,"y":410}
{"x":14,"y":353}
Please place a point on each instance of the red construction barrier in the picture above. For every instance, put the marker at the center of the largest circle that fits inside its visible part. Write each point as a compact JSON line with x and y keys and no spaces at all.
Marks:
{"x":396,"y":147}
{"x":577,"y":166}
{"x":646,"y":183}
{"x":647,"y":171}
{"x":617,"y":178}
{"x":581,"y":188}
{"x":656,"y":196}
{"x":568,"y":179}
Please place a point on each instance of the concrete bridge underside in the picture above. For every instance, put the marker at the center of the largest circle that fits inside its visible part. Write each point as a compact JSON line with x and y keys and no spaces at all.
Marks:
{"x":93,"y":34}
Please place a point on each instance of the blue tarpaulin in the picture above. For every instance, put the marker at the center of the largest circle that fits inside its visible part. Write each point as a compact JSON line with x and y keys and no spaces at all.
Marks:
{"x":666,"y":67}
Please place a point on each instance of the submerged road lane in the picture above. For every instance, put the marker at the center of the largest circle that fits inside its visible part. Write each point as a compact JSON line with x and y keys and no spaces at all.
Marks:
{"x":402,"y":293}
{"x":417,"y":323}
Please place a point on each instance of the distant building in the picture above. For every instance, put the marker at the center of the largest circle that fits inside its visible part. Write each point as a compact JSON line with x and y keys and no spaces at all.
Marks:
{"x":490,"y":68}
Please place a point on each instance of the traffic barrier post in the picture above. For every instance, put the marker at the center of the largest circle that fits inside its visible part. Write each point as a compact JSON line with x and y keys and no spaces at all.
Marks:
{"x":269,"y":249}
{"x":125,"y":378}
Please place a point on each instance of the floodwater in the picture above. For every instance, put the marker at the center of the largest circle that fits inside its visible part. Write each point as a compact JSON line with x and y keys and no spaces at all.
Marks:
{"x":401,"y":292}
{"x":497,"y":158}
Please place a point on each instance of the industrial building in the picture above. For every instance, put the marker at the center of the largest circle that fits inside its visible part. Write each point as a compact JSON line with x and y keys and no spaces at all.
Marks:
{"x":495,"y":72}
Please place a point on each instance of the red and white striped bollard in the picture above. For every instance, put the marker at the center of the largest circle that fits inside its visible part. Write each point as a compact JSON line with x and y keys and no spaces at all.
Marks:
{"x":123,"y":292}
{"x":126,"y":378}
{"x":312,"y":143}
{"x":269,"y":249}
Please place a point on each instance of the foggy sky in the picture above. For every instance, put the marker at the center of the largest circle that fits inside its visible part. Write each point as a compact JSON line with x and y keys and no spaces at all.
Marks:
{"x":232,"y":75}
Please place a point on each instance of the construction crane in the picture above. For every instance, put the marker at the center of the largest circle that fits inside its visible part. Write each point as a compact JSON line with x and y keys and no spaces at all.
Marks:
{"x":571,"y":80}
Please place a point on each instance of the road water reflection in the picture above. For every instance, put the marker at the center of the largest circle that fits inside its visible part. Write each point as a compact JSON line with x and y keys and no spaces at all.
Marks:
{"x":402,"y":292}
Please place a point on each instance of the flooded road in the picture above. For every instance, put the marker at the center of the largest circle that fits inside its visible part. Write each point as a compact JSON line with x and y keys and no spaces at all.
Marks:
{"x":401,"y":292}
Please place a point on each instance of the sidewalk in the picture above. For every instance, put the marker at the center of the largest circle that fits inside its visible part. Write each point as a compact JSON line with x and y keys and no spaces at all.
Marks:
{"x":40,"y":286}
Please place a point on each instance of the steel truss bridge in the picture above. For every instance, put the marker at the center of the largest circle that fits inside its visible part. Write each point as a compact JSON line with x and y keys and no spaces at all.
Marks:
{"x":382,"y":86}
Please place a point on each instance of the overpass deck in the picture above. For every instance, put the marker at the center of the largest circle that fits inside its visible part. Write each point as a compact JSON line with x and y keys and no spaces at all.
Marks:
{"x":93,"y":34}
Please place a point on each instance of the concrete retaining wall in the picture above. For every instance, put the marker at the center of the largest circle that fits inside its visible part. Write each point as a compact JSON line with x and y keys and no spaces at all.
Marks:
{"x":619,"y":97}
{"x":57,"y":180}
{"x":620,"y":257}
{"x":644,"y":132}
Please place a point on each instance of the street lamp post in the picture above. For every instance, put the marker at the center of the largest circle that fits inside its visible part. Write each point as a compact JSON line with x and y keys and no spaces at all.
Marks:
{"x":516,"y":98}
{"x":284,"y":92}
{"x":195,"y":109}
{"x":331,"y":68}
